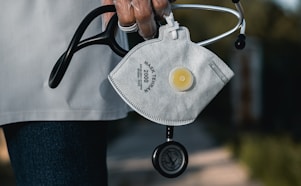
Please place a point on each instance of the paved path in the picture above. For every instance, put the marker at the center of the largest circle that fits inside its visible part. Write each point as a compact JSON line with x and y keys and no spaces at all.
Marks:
{"x":129,"y":159}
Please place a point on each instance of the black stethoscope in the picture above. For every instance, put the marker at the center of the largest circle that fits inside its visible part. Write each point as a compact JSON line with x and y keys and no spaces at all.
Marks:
{"x":170,"y":159}
{"x":107,"y":37}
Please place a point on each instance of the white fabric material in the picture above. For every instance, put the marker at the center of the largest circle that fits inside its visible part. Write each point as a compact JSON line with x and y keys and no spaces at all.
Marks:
{"x":142,"y":78}
{"x":33,"y":35}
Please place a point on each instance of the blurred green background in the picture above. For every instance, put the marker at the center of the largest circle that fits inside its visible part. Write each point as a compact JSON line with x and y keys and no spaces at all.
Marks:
{"x":258,"y":114}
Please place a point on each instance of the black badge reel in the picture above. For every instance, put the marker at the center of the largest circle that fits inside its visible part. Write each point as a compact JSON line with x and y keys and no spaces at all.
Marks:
{"x":170,"y":158}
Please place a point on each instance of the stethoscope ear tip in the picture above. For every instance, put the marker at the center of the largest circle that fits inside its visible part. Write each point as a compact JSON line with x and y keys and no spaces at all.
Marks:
{"x":240,"y":43}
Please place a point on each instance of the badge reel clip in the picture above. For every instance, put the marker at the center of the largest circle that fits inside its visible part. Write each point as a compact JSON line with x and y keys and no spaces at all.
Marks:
{"x":170,"y":159}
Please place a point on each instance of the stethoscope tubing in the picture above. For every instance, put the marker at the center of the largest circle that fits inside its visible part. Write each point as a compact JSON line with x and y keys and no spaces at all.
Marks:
{"x":241,"y":24}
{"x":107,"y":37}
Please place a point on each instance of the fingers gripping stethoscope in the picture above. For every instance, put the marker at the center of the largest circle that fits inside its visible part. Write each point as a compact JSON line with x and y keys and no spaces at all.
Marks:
{"x":170,"y":159}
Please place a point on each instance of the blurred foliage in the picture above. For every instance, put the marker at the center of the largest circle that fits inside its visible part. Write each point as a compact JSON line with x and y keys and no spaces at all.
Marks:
{"x":265,"y":21}
{"x":279,"y":33}
{"x":275,"y":160}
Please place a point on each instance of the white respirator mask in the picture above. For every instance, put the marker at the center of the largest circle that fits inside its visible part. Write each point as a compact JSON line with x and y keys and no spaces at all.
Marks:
{"x":169,"y":80}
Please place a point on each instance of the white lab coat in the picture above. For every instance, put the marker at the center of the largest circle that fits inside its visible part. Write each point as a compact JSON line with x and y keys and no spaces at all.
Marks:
{"x":33,"y":35}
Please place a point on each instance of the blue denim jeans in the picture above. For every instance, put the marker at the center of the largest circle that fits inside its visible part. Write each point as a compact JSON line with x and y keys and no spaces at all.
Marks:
{"x":61,"y":153}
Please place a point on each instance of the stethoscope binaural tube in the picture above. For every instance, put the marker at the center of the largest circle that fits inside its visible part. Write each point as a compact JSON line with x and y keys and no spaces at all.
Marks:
{"x":241,"y":24}
{"x":108,"y":36}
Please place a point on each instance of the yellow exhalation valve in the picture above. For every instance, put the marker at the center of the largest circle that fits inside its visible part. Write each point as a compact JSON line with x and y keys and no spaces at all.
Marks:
{"x":181,"y":79}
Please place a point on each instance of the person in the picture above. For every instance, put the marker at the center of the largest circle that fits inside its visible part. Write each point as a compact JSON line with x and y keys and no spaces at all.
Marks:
{"x":58,"y":136}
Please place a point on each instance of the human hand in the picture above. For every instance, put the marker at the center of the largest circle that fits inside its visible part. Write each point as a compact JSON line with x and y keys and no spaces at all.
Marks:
{"x":141,"y":13}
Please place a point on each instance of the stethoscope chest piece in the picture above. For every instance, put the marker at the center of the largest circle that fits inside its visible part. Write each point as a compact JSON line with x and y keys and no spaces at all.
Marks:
{"x":170,"y":159}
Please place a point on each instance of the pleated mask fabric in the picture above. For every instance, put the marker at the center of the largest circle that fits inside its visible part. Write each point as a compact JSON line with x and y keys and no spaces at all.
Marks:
{"x":169,"y":80}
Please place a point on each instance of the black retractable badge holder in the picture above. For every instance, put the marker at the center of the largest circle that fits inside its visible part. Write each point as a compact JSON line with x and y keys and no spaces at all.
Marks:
{"x":170,"y":159}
